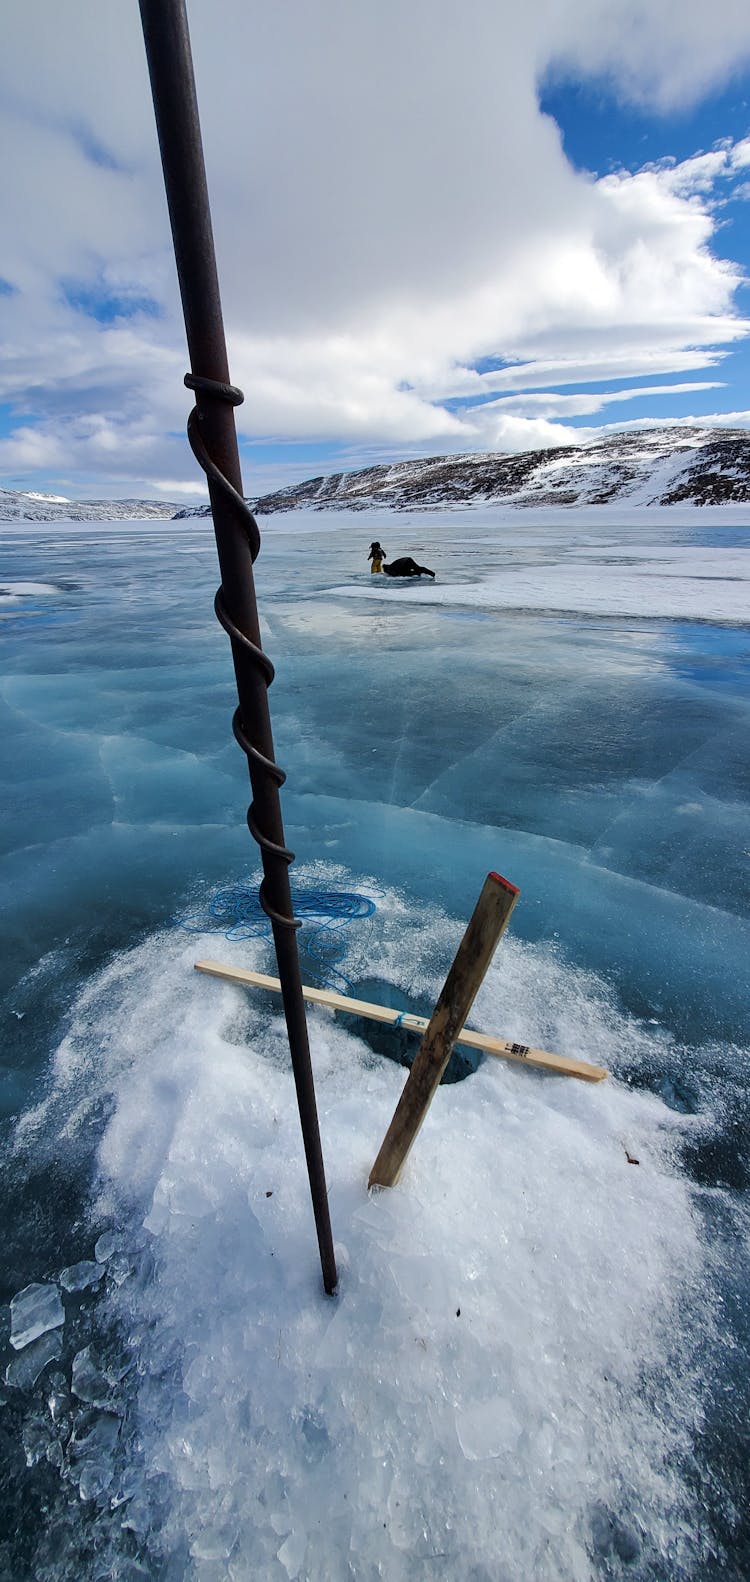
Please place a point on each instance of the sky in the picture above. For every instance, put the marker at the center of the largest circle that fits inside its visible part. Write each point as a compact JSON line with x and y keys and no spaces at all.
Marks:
{"x":445,"y":226}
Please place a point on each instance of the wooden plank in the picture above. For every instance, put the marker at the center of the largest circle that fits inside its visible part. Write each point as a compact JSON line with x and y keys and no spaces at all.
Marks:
{"x":484,"y":929}
{"x":504,"y":1048}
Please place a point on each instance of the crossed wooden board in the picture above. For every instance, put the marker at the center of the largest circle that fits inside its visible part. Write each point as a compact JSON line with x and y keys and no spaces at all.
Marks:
{"x":444,"y":1028}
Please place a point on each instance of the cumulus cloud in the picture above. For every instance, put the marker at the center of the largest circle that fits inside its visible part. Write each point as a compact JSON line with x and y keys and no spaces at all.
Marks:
{"x":654,"y":53}
{"x":392,"y":212}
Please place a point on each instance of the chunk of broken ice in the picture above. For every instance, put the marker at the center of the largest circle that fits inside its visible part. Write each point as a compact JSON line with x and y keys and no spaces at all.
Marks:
{"x":79,"y":1276}
{"x":32,"y":1312}
{"x":60,"y":1402}
{"x":139,"y":1516}
{"x":118,"y":1268}
{"x":130,"y":1484}
{"x":107,"y":1243}
{"x":292,"y":1553}
{"x":22,"y":1372}
{"x":88,"y":1382}
{"x":490,"y":1428}
{"x":214,"y":1544}
{"x":36,"y":1437}
{"x":92,"y":1451}
{"x":94,"y":1479}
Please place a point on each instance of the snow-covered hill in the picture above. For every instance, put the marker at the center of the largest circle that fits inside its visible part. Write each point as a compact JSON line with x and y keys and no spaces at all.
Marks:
{"x":666,"y":466}
{"x":17,"y":506}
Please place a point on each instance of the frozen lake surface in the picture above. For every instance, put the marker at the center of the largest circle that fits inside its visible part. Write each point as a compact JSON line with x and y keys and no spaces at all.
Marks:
{"x":537,"y":1363}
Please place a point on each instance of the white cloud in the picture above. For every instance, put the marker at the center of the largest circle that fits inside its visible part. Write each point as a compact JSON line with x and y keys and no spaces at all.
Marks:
{"x":622,"y":363}
{"x":390,"y":207}
{"x":171,"y":487}
{"x":654,"y":52}
{"x":719,"y":420}
{"x":550,"y":405}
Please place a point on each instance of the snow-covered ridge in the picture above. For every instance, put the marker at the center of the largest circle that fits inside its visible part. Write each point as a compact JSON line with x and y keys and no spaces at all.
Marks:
{"x":666,"y":466}
{"x":18,"y":506}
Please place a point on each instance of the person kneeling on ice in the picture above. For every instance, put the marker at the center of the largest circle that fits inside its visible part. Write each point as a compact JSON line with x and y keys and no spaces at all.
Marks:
{"x":405,"y":566}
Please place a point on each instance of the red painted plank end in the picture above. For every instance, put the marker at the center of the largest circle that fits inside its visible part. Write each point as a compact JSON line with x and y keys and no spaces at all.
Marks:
{"x":506,"y":883}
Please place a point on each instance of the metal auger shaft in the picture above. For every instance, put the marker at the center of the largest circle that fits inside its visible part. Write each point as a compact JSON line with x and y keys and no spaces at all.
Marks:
{"x":213,"y":436}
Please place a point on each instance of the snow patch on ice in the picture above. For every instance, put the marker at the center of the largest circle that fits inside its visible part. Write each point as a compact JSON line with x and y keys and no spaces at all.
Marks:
{"x":17,"y":590}
{"x":502,"y":1317}
{"x":649,"y":582}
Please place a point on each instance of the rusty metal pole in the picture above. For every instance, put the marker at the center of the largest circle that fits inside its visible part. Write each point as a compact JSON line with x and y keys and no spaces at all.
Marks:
{"x":213,"y":437}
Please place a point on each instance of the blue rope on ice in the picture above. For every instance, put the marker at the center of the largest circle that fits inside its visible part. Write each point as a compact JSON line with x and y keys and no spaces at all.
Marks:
{"x":237,"y":912}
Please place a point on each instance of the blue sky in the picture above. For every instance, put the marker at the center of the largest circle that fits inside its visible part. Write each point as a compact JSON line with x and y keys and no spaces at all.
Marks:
{"x":545,"y":237}
{"x":602,"y":135}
